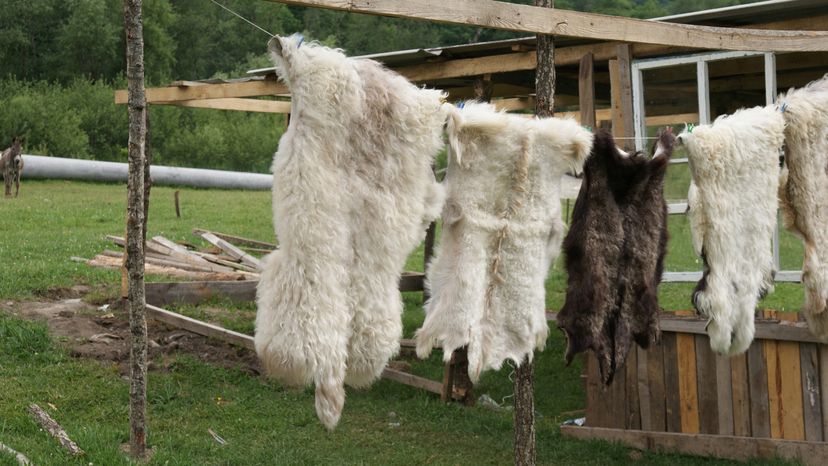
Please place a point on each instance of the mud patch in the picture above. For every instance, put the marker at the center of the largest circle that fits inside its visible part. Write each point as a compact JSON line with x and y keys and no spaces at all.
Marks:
{"x":98,"y":332}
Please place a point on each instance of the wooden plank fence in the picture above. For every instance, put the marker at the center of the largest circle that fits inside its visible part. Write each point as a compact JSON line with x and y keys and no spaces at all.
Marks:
{"x":776,"y":390}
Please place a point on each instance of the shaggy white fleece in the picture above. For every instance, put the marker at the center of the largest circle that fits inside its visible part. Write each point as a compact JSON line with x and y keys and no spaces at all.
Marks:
{"x":803,"y":191}
{"x":353,"y":193}
{"x":502,"y":229}
{"x":732,"y":211}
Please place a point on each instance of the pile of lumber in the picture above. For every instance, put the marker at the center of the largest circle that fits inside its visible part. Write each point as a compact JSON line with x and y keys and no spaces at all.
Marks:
{"x":228,"y":257}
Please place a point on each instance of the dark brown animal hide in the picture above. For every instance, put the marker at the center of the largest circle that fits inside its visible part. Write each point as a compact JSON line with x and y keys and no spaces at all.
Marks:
{"x":615,"y":253}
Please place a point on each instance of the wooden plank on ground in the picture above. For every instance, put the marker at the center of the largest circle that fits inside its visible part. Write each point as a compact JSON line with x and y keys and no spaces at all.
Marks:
{"x":199,"y":327}
{"x":707,"y":386}
{"x":655,"y":379}
{"x":672,"y":406}
{"x":811,"y":393}
{"x":163,"y":294}
{"x":231,"y":250}
{"x":238,"y":240}
{"x":706,"y":445}
{"x":558,"y":22}
{"x":688,"y":390}
{"x":741,"y":394}
{"x":152,"y":269}
{"x":758,"y":378}
{"x":412,"y":380}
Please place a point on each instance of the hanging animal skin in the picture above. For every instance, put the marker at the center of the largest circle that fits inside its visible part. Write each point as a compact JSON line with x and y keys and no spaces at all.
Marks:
{"x":502,"y":229}
{"x":803,"y":191}
{"x":734,"y":163}
{"x":353,"y":193}
{"x":615,"y":253}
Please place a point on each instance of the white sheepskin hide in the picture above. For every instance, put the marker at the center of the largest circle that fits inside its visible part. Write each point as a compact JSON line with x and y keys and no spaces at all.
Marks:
{"x":803,"y":192}
{"x":353,"y":193}
{"x":734,"y":163}
{"x":501,"y":231}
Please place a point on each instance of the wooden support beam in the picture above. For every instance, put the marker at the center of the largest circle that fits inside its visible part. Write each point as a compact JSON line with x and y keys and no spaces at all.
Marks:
{"x":586,"y":91}
{"x":717,"y":446}
{"x":238,"y":240}
{"x":259,"y":87}
{"x":235,"y":103}
{"x":553,"y":21}
{"x":198,"y":327}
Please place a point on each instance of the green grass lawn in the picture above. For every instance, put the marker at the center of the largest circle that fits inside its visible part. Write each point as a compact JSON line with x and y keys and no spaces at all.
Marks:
{"x":263,"y":423}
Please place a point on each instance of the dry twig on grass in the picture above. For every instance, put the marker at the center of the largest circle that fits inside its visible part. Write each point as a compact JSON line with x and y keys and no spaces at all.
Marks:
{"x":54,"y":429}
{"x":21,"y":458}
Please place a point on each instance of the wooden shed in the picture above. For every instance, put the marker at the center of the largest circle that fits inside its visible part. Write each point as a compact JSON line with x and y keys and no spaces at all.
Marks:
{"x":677,"y":396}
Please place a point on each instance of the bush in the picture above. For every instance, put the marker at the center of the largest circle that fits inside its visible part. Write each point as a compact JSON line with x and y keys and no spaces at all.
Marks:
{"x":81,"y":120}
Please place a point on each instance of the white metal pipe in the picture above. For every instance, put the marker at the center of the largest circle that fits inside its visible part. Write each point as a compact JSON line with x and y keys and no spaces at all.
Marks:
{"x":37,"y":166}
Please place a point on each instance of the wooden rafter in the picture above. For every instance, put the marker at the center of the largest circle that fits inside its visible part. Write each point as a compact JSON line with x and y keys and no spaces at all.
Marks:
{"x":259,"y":87}
{"x":553,"y":21}
{"x":235,"y":103}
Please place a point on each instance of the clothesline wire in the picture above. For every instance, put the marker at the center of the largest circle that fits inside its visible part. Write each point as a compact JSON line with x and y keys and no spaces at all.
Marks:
{"x":243,"y":18}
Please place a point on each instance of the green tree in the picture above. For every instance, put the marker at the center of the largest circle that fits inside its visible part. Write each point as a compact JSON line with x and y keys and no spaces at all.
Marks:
{"x":87,"y":42}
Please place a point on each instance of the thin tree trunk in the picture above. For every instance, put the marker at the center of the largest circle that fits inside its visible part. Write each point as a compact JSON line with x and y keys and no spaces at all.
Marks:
{"x":524,"y":373}
{"x":136,"y":220}
{"x":524,"y":414}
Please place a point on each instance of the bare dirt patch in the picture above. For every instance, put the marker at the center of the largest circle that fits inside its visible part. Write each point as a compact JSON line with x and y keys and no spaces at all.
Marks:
{"x":102,"y":333}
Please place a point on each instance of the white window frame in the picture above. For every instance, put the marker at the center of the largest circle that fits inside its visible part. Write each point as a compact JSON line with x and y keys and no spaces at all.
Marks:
{"x":701,"y":61}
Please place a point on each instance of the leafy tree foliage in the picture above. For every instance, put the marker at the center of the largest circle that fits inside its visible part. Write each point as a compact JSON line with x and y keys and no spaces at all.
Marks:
{"x":61,"y":60}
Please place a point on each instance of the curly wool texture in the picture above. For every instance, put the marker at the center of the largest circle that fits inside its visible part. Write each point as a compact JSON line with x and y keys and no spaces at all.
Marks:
{"x":502,"y":229}
{"x":803,"y":192}
{"x":734,"y":163}
{"x":615,"y":253}
{"x":353,"y":193}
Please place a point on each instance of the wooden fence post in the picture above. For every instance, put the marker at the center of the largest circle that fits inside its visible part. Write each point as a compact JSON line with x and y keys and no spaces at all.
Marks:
{"x":136,"y":221}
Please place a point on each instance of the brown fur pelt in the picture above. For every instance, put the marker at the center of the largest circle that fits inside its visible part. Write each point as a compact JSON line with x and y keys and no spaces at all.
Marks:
{"x":615,"y":253}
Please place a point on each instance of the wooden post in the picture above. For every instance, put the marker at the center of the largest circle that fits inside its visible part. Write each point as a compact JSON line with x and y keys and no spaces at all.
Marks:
{"x":524,"y":373}
{"x":622,"y":106}
{"x":136,"y":220}
{"x":177,"y":206}
{"x":586,"y":92}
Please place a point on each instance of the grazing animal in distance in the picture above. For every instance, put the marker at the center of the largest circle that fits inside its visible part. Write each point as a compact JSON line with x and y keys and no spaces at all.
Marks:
{"x":502,"y":229}
{"x":803,"y":192}
{"x":732,"y":202}
{"x":11,"y":165}
{"x":615,"y":253}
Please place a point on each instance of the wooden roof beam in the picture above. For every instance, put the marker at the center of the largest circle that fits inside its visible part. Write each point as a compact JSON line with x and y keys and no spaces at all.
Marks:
{"x":233,"y":103}
{"x":188,"y":91}
{"x":553,"y":21}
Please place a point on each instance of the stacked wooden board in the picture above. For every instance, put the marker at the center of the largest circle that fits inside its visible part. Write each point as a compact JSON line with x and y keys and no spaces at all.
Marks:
{"x":229,"y":258}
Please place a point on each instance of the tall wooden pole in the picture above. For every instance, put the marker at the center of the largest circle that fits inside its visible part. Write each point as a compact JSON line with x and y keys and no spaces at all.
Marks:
{"x":135,"y":228}
{"x":524,"y":374}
